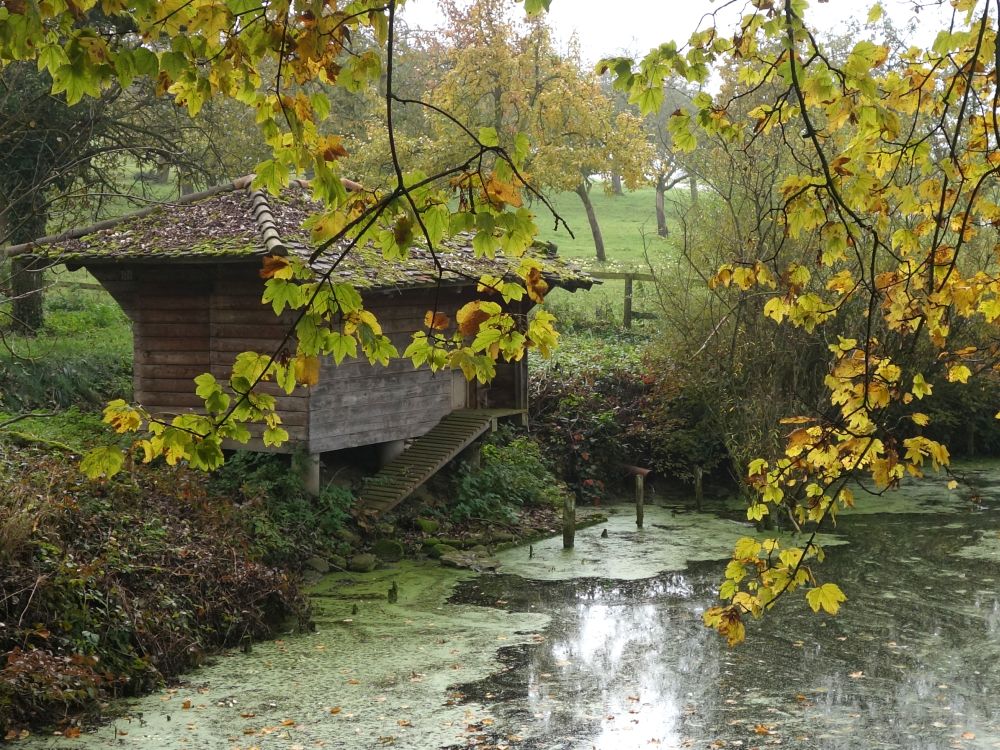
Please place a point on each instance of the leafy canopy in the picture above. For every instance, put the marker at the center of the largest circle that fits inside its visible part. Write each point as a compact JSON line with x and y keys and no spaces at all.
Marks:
{"x":896,"y":182}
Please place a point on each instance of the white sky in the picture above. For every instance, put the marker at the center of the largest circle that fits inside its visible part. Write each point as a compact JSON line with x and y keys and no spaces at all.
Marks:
{"x":609,"y":27}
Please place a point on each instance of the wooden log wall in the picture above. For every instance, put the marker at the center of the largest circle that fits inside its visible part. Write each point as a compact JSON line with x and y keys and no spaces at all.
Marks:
{"x":191,"y":319}
{"x":358,"y":404}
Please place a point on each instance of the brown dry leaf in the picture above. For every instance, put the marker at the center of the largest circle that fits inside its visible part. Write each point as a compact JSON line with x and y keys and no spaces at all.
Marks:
{"x":71,"y":732}
{"x":470,"y":317}
{"x":352,"y":681}
{"x":968,"y":735}
{"x":247,"y":715}
{"x":404,"y":723}
{"x":273,"y":264}
{"x":762,"y":729}
{"x":288,"y":723}
{"x":335,"y":710}
{"x":186,"y":704}
{"x":437,"y":321}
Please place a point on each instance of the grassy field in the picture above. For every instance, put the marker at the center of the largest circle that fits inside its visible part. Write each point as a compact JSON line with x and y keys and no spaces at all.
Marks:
{"x":81,"y":357}
{"x":628,"y":224}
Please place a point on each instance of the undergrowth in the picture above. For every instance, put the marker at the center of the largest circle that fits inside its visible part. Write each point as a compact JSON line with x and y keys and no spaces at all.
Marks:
{"x":108,"y":589}
{"x":511,"y":474}
{"x":285,"y":524}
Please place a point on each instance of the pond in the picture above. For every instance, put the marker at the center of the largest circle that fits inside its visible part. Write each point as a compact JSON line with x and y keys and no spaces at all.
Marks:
{"x":603,"y":647}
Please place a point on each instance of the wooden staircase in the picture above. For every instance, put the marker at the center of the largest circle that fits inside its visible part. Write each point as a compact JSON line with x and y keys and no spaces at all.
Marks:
{"x":426,"y":455}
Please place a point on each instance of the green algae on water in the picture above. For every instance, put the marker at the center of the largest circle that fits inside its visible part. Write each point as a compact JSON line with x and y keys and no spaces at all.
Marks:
{"x":373,"y":674}
{"x":670,"y":540}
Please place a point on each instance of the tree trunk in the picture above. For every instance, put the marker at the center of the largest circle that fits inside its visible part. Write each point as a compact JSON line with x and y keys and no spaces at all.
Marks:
{"x":26,"y":287}
{"x":661,"y":214}
{"x":616,"y":184}
{"x":693,"y":184}
{"x":595,"y":228}
{"x":26,"y":274}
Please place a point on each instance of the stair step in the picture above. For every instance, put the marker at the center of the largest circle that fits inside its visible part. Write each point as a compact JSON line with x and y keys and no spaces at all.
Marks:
{"x":425,"y":457}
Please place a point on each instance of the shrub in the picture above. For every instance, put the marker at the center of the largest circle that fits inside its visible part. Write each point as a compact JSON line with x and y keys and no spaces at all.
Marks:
{"x":286,"y":523}
{"x":587,"y":408}
{"x":112,"y":587}
{"x":511,"y":474}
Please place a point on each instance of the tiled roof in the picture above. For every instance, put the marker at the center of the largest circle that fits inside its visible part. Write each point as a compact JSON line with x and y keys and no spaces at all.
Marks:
{"x":233,"y":222}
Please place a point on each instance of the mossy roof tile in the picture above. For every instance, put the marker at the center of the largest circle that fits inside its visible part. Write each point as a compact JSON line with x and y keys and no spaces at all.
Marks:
{"x":223,"y":225}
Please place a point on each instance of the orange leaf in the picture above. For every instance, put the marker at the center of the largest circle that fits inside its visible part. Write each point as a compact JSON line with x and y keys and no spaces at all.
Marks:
{"x":437,"y":321}
{"x":186,"y":705}
{"x":272,"y":265}
{"x":71,"y":732}
{"x":288,"y":723}
{"x":500,"y":193}
{"x":470,"y":317}
{"x":762,"y":729}
{"x":333,"y":149}
{"x":335,"y":710}
{"x":536,"y":285}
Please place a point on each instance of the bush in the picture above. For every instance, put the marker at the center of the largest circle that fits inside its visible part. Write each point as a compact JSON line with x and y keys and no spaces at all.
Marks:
{"x":588,"y":406}
{"x":286,"y":523}
{"x":511,"y":474}
{"x":112,"y":587}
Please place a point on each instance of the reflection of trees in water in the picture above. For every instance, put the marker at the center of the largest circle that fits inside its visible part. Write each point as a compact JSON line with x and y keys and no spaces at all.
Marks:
{"x":909,"y":664}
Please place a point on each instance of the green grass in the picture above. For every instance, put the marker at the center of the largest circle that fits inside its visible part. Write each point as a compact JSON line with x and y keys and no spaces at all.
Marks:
{"x":628,"y":224}
{"x":82,"y":356}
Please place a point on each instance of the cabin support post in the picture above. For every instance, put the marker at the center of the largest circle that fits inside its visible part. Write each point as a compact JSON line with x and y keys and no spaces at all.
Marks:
{"x":310,"y":470}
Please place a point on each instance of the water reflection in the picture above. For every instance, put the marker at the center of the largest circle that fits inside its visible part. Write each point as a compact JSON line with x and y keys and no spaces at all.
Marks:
{"x":910,"y":664}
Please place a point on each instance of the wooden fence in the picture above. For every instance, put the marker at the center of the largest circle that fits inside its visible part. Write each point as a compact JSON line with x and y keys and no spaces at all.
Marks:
{"x":630,"y":277}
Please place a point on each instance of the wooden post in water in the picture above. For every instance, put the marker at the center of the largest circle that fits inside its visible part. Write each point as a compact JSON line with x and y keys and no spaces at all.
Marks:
{"x":640,"y":491}
{"x":698,"y":491}
{"x":569,"y":520}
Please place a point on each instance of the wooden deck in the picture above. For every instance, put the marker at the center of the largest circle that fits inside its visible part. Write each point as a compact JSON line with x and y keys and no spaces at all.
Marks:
{"x":426,"y":455}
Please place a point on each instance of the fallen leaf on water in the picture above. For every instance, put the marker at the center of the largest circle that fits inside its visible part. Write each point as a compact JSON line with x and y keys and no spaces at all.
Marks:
{"x":186,"y":705}
{"x":968,"y":735}
{"x":762,"y":729}
{"x":288,"y":723}
{"x":405,"y":723}
{"x":335,"y":710}
{"x":352,"y":681}
{"x":71,"y":732}
{"x":856,"y":675}
{"x":247,"y":716}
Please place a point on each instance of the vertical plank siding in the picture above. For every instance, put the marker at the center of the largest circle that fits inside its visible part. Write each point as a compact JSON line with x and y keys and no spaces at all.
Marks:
{"x":189,"y":319}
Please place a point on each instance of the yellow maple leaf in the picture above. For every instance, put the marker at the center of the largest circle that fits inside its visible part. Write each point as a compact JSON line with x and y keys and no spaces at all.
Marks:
{"x":307,"y":370}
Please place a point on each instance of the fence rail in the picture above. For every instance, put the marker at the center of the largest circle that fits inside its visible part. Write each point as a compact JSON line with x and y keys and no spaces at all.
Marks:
{"x":630,"y":277}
